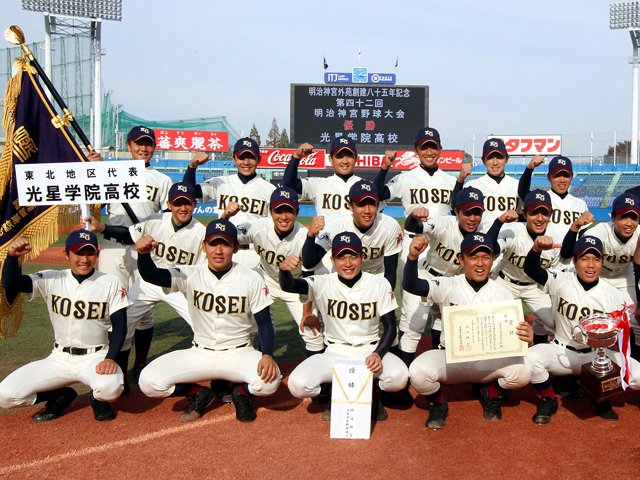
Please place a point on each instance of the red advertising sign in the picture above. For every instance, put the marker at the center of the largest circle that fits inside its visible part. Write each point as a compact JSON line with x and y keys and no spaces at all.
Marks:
{"x":532,"y":144}
{"x":279,"y":158}
{"x":192,"y":140}
{"x":408,"y":160}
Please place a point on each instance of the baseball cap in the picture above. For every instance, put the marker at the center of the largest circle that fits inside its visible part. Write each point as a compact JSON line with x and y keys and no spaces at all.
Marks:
{"x":427,"y":134}
{"x":494,"y":145}
{"x":537,"y":199}
{"x":79,"y":239}
{"x":284,"y":196}
{"x":362,"y":190}
{"x":625,"y":203}
{"x":475,"y":241}
{"x":587,"y":243}
{"x":346,"y":241}
{"x":341,"y":143}
{"x":182,"y":190}
{"x":560,"y":164}
{"x":221,"y":228}
{"x":246,"y":144}
{"x":139,"y":132}
{"x":469,"y":198}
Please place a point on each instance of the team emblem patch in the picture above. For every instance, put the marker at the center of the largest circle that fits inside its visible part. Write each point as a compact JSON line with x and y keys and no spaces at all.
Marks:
{"x":493,"y":144}
{"x":591,"y":241}
{"x":182,"y":188}
{"x":246,"y":143}
{"x":540,"y":196}
{"x":473,"y":195}
{"x":366,"y":187}
{"x":123,"y":292}
{"x":84,"y":236}
{"x":345,"y":238}
{"x":478,"y":238}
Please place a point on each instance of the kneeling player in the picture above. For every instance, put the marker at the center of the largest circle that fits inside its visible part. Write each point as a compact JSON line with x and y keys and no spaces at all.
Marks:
{"x":83,"y":305}
{"x":474,"y":286}
{"x":353,"y":305}
{"x":224,"y":299}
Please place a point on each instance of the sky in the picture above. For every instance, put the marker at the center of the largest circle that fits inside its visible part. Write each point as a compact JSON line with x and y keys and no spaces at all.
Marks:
{"x":504,"y":67}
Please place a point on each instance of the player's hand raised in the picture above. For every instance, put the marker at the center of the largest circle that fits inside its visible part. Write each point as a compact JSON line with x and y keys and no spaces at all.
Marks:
{"x":232,"y":209}
{"x":374,"y":363}
{"x":268,"y":369}
{"x":94,"y":224}
{"x":388,"y":159}
{"x":585,"y":218}
{"x":420,"y":213}
{"x":290,"y":263}
{"x":536,"y":161}
{"x":198,"y":159}
{"x":20,"y":246}
{"x":465,"y":171}
{"x":544,"y":242}
{"x":145,"y":244}
{"x":106,"y":367}
{"x":418,"y":245}
{"x":509,"y":216}
{"x":304,"y":150}
{"x":524,"y":331}
{"x":94,"y":156}
{"x":316,"y":225}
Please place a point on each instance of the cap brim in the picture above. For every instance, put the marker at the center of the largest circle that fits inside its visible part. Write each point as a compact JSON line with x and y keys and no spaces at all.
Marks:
{"x":583,"y":251}
{"x":140,"y":137}
{"x":625,"y":210}
{"x":255,"y":154}
{"x":80,"y":246}
{"x":182,"y":195}
{"x":495,"y":150}
{"x":474,"y":248}
{"x":341,"y":148}
{"x":223,"y":236}
{"x":535,"y":206}
{"x":285,"y":203}
{"x":557,"y":170}
{"x":364,"y":196}
{"x":423,"y":142}
{"x":336,"y":252}
{"x":465,"y":207}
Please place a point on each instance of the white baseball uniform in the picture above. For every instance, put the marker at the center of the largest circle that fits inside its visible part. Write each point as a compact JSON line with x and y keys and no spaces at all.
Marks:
{"x":273,"y":250}
{"x":352,"y":330}
{"x":175,"y":247}
{"x":430,"y":369}
{"x":330,"y":195}
{"x":570,"y":303}
{"x":498,"y":197}
{"x":253,"y":198}
{"x":566,"y":210}
{"x":222,"y":314}
{"x":80,"y":315}
{"x":118,"y":259}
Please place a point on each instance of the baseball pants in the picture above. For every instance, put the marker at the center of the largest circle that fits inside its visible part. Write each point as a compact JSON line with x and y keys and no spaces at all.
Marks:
{"x":59,"y":369}
{"x":538,"y":301}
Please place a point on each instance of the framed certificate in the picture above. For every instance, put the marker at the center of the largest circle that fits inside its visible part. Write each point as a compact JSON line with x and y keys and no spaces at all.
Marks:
{"x":482,"y":332}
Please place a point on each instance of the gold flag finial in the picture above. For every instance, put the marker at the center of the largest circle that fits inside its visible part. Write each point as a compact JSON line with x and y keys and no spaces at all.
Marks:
{"x":14,"y":35}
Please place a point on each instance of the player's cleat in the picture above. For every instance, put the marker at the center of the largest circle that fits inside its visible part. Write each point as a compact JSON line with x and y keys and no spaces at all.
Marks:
{"x":222,"y":389}
{"x":606,"y":411}
{"x":244,"y":407}
{"x":324,"y":396}
{"x":401,"y":398}
{"x":492,"y":409}
{"x":198,"y":403}
{"x":378,"y":412}
{"x":326,"y":413}
{"x":102,"y":411}
{"x":54,"y":407}
{"x":438,"y":412}
{"x":136,"y":370}
{"x":546,"y":408}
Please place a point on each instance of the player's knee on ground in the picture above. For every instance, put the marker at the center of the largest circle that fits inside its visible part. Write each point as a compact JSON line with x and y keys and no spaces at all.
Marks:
{"x":300,"y":387}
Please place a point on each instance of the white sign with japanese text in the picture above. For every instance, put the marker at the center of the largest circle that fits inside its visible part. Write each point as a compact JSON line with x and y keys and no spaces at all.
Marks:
{"x":482,"y":332}
{"x":75,"y":183}
{"x":351,"y":393}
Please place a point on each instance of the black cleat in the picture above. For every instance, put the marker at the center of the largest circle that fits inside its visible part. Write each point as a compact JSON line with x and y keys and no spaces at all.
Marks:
{"x":378,"y":412}
{"x":222,"y":389}
{"x":102,"y":411}
{"x":437,"y":414}
{"x":492,"y":409}
{"x":546,"y":408}
{"x":54,"y":407}
{"x":606,"y":411}
{"x":198,"y":403}
{"x":244,"y":407}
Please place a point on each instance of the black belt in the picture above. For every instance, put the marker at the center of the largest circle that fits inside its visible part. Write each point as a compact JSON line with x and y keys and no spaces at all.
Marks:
{"x":350,"y":344}
{"x":245,"y":247}
{"x":122,"y":242}
{"x":411,"y":235}
{"x":222,"y":349}
{"x":77,"y":350}
{"x":574,"y":349}
{"x":515,"y":282}
{"x":434,"y":272}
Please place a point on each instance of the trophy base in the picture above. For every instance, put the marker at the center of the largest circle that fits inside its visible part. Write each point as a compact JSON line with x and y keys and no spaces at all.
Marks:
{"x":600,"y":387}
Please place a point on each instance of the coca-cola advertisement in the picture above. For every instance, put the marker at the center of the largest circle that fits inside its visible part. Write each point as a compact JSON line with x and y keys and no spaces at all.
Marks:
{"x":192,"y":140}
{"x":280,"y":157}
{"x":408,"y":160}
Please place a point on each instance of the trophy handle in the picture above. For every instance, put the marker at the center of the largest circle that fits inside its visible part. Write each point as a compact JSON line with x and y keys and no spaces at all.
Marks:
{"x":583,"y":334}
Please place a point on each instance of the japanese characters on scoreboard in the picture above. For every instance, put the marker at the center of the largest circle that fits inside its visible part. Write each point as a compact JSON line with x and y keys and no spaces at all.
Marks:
{"x":81,"y":183}
{"x":369,"y":114}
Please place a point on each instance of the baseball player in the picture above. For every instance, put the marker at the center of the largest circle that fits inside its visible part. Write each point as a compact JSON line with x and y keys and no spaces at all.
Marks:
{"x":500,"y":190}
{"x":619,"y":237}
{"x":226,"y":303}
{"x":245,"y":188}
{"x":515,"y":240}
{"x":574,"y":295}
{"x":381,"y":235}
{"x":83,"y":306}
{"x":566,"y":207}
{"x":179,"y":239}
{"x":423,"y":187}
{"x":353,"y":305}
{"x":430,"y":370}
{"x":119,"y":257}
{"x":445,"y":232}
{"x":328,"y":194}
{"x":274,"y":238}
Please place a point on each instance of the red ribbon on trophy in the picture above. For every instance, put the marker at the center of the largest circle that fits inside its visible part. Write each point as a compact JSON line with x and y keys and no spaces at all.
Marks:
{"x":624,"y":337}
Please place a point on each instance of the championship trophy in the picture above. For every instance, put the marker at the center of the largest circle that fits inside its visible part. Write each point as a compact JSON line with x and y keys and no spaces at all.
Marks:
{"x":600,"y":379}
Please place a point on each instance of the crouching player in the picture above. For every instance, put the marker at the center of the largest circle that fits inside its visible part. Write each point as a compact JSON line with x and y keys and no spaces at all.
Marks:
{"x":574,"y":295}
{"x":83,"y":305}
{"x":224,"y":299}
{"x":430,"y":370}
{"x":353,"y":305}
